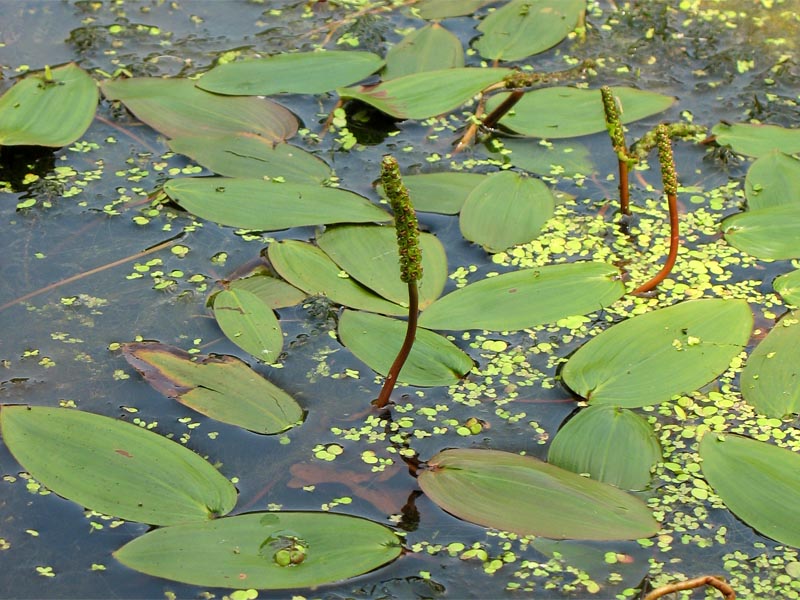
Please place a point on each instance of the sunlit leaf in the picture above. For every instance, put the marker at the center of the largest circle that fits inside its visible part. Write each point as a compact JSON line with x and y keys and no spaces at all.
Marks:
{"x":274,"y":292}
{"x":527,"y":496}
{"x":249,"y":322}
{"x":788,"y":286}
{"x":310,"y":269}
{"x":770,"y":381}
{"x":175,"y":107}
{"x":115,"y":467}
{"x":251,"y":155}
{"x":649,"y":358}
{"x":611,"y":444}
{"x":562,"y":112}
{"x":37,"y":112}
{"x":442,"y":193}
{"x":368,"y":253}
{"x":506,"y":209}
{"x":758,"y":482}
{"x":427,"y":49}
{"x":442,"y":9}
{"x":375,"y":340}
{"x":773,"y":180}
{"x":522,"y":28}
{"x":556,"y":158}
{"x":526,"y":298}
{"x":242,"y":551}
{"x":769,"y":233}
{"x":757,"y":140}
{"x":220,"y":387}
{"x":268,"y":206}
{"x":297,"y":73}
{"x":427,"y":94}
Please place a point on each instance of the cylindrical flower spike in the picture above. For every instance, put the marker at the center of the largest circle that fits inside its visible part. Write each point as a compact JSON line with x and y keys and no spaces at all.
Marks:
{"x":668,"y":175}
{"x":405,"y":220}
{"x":613,"y":123}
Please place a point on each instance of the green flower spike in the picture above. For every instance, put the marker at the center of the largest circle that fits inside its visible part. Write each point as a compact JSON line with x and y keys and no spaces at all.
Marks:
{"x":405,"y":221}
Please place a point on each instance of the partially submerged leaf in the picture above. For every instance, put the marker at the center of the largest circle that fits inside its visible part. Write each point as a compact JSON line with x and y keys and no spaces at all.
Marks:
{"x":769,"y":233}
{"x":427,"y":49}
{"x":527,"y":496}
{"x":757,"y":140}
{"x":526,"y":298}
{"x":220,"y":387}
{"x":442,"y":193}
{"x":243,"y":551}
{"x":648,"y":359}
{"x":249,"y":322}
{"x":268,"y":206}
{"x":115,"y":467}
{"x":773,"y":180}
{"x":38,"y":112}
{"x":375,"y":340}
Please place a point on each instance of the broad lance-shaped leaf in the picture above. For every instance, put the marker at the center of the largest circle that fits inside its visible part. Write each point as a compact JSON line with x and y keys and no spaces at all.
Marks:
{"x":268,"y":206}
{"x":506,"y":209}
{"x":758,"y":482}
{"x":428,"y":49}
{"x":770,"y":380}
{"x":250,"y":550}
{"x":442,"y":9}
{"x":788,"y":286}
{"x":562,"y":112}
{"x":175,"y":107}
{"x":651,"y":357}
{"x":220,"y":387}
{"x":757,"y":140}
{"x":769,"y":233}
{"x":375,"y":340}
{"x":527,"y":496}
{"x":38,"y":112}
{"x":611,"y":444}
{"x":526,"y":298}
{"x":558,"y":157}
{"x":249,"y":322}
{"x":773,"y":180}
{"x":442,"y":193}
{"x":427,"y":94}
{"x":276,"y":293}
{"x":115,"y":467}
{"x":297,"y":73}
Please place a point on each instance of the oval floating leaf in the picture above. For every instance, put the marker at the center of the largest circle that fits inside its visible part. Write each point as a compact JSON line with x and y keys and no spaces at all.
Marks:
{"x":115,"y":467}
{"x":427,"y":94}
{"x":243,"y":551}
{"x":770,"y":381}
{"x":42,"y":112}
{"x":506,"y":209}
{"x":562,"y":112}
{"x":526,"y":298}
{"x":250,"y":155}
{"x":220,"y":387}
{"x":611,"y":444}
{"x":773,"y":180}
{"x":649,"y":358}
{"x":375,"y":340}
{"x":249,"y":322}
{"x":757,"y":140}
{"x":442,"y":193}
{"x":295,"y":73}
{"x":428,"y":49}
{"x":313,"y":271}
{"x":368,"y":253}
{"x":758,"y":482}
{"x":175,"y":107}
{"x":523,"y":28}
{"x":442,"y":9}
{"x":268,"y":206}
{"x":788,"y":286}
{"x":530,"y":497}
{"x":769,"y":233}
{"x":274,"y":292}
{"x":556,"y":158}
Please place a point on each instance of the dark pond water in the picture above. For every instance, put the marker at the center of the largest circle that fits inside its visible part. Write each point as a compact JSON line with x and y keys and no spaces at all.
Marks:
{"x":73,"y":286}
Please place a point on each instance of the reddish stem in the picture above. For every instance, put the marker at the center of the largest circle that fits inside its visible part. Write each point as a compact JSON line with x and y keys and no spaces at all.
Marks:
{"x":624,"y":194}
{"x":710,"y":580}
{"x":674,"y":242}
{"x":405,"y":349}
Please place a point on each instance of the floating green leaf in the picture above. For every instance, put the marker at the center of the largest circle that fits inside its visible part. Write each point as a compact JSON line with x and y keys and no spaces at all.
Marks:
{"x":273,"y":292}
{"x":526,"y":298}
{"x":506,"y":209}
{"x":313,"y":271}
{"x":268,"y":206}
{"x":249,"y":322}
{"x":442,"y":193}
{"x":773,"y":180}
{"x":555,"y":158}
{"x":54,"y":112}
{"x":175,"y":107}
{"x":527,"y":496}
{"x":522,"y":28}
{"x":427,"y":49}
{"x":611,"y":444}
{"x":758,"y":482}
{"x":769,"y":233}
{"x":375,"y":340}
{"x":368,"y":253}
{"x":220,"y":387}
{"x":244,"y":551}
{"x":563,"y":112}
{"x":442,"y":9}
{"x":788,"y":286}
{"x":251,"y":155}
{"x":295,"y":73}
{"x":649,"y":358}
{"x":770,"y":381}
{"x":427,"y":94}
{"x":757,"y":140}
{"x":115,"y":467}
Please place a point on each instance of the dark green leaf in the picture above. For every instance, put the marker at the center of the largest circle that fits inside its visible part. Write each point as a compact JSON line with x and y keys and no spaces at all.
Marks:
{"x":788,"y":286}
{"x":558,"y":158}
{"x":427,"y":49}
{"x":249,"y":322}
{"x":442,"y":9}
{"x":769,"y":233}
{"x":773,"y":180}
{"x":757,"y":140}
{"x":274,"y":292}
{"x":442,"y":193}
